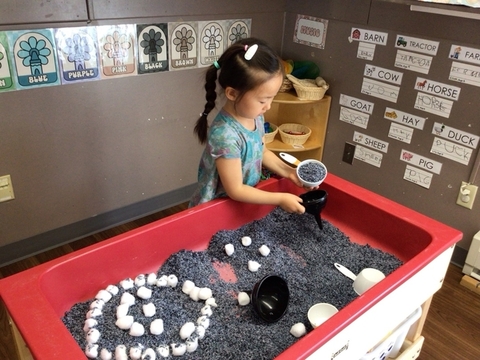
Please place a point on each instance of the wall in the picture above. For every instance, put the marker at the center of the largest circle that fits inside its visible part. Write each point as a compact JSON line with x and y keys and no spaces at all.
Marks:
{"x":84,"y":157}
{"x":87,"y":156}
{"x":344,"y":72}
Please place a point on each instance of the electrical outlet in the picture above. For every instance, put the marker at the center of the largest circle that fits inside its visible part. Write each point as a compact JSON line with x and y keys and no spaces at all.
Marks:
{"x":6,"y":188}
{"x":466,"y":195}
{"x":348,"y":153}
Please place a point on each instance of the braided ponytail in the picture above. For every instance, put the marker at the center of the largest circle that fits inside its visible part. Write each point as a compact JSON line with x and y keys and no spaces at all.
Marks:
{"x":201,"y":127}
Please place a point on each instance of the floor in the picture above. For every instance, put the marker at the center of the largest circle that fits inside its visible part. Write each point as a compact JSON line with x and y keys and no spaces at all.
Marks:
{"x":452,"y":328}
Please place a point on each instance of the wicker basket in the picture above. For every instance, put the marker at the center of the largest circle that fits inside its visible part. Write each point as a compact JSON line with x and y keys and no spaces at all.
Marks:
{"x":269,"y":137}
{"x":293,"y":139}
{"x":287,"y":85}
{"x":307,"y":89}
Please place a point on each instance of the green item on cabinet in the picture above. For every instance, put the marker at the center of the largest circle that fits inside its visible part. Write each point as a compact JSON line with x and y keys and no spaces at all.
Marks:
{"x":305,"y":70}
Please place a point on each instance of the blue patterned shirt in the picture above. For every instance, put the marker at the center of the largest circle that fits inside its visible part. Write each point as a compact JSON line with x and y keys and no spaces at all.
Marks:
{"x":229,"y":139}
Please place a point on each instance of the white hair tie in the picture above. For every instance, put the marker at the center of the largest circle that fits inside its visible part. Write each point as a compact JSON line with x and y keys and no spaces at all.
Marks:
{"x":250,"y":51}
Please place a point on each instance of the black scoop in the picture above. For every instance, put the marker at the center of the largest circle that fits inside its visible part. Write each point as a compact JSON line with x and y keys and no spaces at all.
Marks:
{"x":270,"y":298}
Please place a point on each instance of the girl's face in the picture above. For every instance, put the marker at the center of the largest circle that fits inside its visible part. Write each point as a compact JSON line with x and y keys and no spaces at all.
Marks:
{"x":257,"y":101}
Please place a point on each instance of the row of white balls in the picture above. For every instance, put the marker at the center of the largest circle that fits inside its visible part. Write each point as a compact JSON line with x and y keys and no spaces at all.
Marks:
{"x":126,"y":322}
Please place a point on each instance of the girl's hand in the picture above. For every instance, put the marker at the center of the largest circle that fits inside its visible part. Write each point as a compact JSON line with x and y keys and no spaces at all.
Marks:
{"x":291,"y":203}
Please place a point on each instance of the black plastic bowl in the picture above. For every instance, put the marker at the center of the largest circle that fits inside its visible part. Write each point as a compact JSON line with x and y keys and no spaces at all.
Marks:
{"x":270,"y":298}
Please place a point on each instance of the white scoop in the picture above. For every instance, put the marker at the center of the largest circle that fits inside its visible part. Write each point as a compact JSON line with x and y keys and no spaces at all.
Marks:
{"x":364,"y":280}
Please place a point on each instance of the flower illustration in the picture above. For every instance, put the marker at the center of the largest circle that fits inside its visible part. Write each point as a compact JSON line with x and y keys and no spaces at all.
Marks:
{"x":152,"y":44}
{"x":212,"y":39}
{"x":1,"y":58}
{"x":238,"y":32}
{"x":183,"y":41}
{"x":78,"y":50}
{"x":34,"y":54}
{"x":117,"y":46}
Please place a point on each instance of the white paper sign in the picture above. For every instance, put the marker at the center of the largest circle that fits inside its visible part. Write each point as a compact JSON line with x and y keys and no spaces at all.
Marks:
{"x":418,"y":176}
{"x":459,"y":136}
{"x":357,"y":104}
{"x":310,"y":31}
{"x":380,"y":73}
{"x":464,"y":73}
{"x":433,"y":104}
{"x":413,"y":62}
{"x":421,"y":161}
{"x":365,"y":51}
{"x":451,"y":150}
{"x":354,"y":117}
{"x":369,"y":156}
{"x":380,"y":90}
{"x":402,"y":117}
{"x":369,"y":36}
{"x":416,"y":44}
{"x":464,"y":53}
{"x":437,"y":88}
{"x":370,"y":141}
{"x":400,"y":133}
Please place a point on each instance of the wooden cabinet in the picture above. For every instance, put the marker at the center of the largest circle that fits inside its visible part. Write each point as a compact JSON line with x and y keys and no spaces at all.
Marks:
{"x":287,"y":108}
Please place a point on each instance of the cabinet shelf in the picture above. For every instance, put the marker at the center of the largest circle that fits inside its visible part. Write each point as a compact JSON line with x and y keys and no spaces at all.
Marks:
{"x":287,"y":108}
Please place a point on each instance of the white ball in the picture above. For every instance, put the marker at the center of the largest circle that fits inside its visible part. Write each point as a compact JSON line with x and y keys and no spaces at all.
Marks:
{"x":137,"y":329}
{"x":298,"y":330}
{"x":127,"y":298}
{"x":95,"y":312}
{"x":97,"y":304}
{"x":264,"y":250}
{"x":243,"y":298}
{"x":151,"y":279}
{"x":156,"y":327}
{"x":211,"y":301}
{"x":253,"y":266}
{"x":178,"y":349}
{"x":121,"y":352}
{"x":127,"y":284}
{"x":125,"y":322}
{"x":187,"y":330}
{"x":140,"y":280}
{"x":105,"y":354}
{"x":192,"y":344}
{"x":89,"y":323}
{"x":246,"y":241}
{"x":172,"y":280}
{"x":194,"y":293}
{"x":203,"y":321}
{"x":149,"y":309}
{"x":92,"y":336}
{"x":136,"y":352}
{"x":103,"y":295}
{"x":229,"y":249}
{"x":187,"y":286}
{"x":144,"y":293}
{"x":206,"y":310}
{"x":122,"y":310}
{"x":200,"y":331}
{"x":112,"y":289}
{"x":163,"y":351}
{"x":162,"y":281}
{"x":91,"y":350}
{"x":149,"y":354}
{"x":205,"y":293}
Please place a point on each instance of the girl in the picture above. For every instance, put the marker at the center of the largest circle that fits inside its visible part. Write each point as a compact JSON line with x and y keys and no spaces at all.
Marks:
{"x":250,"y":74}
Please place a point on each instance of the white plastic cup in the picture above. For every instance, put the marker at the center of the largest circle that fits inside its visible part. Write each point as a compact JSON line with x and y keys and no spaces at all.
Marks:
{"x":366,"y":279}
{"x":319,"y":313}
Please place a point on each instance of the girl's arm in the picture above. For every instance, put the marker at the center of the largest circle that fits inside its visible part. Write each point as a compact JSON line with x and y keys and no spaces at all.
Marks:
{"x":230,"y":172}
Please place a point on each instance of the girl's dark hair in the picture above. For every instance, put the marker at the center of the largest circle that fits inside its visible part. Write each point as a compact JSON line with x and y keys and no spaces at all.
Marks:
{"x":238,"y":73}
